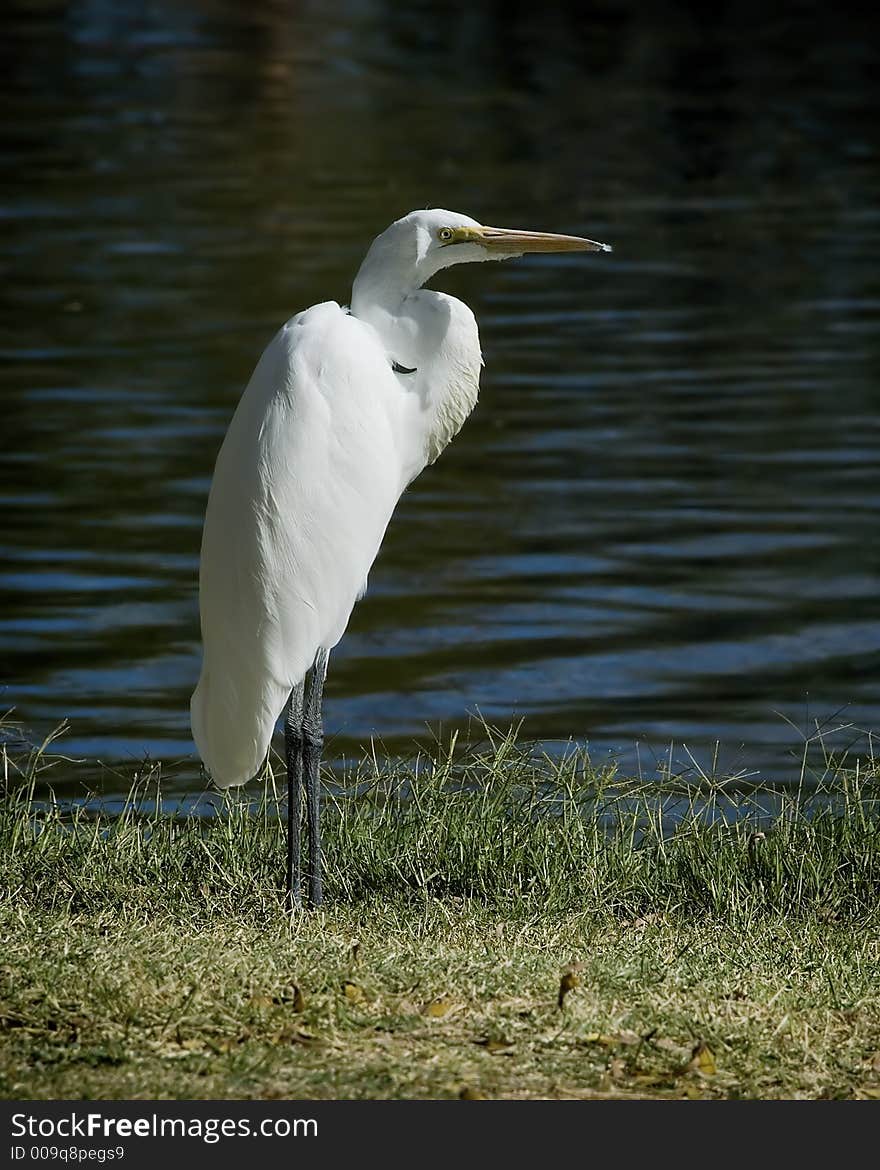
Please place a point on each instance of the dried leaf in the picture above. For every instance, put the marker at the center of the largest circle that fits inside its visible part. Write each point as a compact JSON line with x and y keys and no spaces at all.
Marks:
{"x":495,"y":1044}
{"x":439,"y":1007}
{"x":295,"y":1036}
{"x":469,"y":1094}
{"x":353,"y":992}
{"x":615,"y":1039}
{"x":568,"y":983}
{"x":702,"y":1060}
{"x":293,"y":997}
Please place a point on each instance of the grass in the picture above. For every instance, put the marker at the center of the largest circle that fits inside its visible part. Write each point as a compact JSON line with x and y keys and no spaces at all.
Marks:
{"x":497,"y":925}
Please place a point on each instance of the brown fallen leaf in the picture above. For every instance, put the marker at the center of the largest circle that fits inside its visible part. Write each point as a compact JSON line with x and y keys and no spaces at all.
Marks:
{"x":353,"y":992}
{"x":611,"y":1040}
{"x":567,"y":983}
{"x":469,"y":1094}
{"x":295,"y":1036}
{"x":495,"y":1044}
{"x":702,"y":1061}
{"x":439,"y":1007}
{"x":293,"y":997}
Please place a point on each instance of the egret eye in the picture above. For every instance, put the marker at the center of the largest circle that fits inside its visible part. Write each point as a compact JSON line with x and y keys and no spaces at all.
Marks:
{"x":444,"y":235}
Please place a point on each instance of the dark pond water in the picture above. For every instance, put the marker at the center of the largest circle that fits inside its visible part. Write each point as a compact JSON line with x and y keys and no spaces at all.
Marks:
{"x":659,"y":527}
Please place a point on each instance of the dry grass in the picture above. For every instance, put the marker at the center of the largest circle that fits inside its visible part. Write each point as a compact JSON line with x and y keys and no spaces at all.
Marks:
{"x":434,"y":1000}
{"x":497,"y":926}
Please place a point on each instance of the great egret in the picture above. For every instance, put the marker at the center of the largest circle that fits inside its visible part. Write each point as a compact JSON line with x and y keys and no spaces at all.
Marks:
{"x":344,"y":409}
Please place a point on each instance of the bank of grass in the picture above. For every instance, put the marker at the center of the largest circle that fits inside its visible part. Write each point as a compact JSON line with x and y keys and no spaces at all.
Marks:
{"x":497,"y":925}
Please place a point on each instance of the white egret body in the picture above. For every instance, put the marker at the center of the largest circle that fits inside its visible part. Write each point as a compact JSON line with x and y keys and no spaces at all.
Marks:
{"x":343,"y":410}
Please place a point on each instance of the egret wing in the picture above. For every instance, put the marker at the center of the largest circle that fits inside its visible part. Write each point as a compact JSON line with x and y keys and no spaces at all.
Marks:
{"x":304,"y":486}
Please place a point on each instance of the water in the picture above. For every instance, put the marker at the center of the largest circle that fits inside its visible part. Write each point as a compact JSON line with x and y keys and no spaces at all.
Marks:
{"x":660,"y":525}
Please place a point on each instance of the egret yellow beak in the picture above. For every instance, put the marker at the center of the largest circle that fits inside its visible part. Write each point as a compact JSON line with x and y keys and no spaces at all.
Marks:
{"x":512,"y":242}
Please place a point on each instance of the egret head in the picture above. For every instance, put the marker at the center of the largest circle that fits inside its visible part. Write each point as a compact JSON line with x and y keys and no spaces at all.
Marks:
{"x":413,"y":248}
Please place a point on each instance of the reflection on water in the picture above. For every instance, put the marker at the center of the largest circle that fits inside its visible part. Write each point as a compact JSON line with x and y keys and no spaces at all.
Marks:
{"x":660,"y":524}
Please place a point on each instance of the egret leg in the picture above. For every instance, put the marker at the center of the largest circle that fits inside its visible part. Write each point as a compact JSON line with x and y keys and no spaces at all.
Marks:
{"x":312,"y":743}
{"x":293,"y":750}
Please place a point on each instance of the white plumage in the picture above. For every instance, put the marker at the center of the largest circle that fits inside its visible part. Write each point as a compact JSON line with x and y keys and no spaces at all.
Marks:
{"x":324,"y":441}
{"x":343,"y":410}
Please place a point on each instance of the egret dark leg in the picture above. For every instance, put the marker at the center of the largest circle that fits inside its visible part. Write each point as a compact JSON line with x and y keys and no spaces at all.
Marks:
{"x":293,"y":750}
{"x":312,"y":743}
